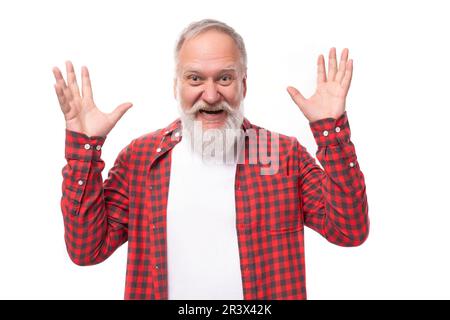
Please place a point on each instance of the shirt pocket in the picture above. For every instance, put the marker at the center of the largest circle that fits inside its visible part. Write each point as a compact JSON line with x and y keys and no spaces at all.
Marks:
{"x":277,"y":204}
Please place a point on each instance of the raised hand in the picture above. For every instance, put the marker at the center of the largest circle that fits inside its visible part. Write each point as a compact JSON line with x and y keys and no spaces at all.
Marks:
{"x":329,"y":99}
{"x":80,"y":111}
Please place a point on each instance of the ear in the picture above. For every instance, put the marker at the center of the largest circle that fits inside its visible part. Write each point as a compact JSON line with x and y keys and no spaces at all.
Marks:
{"x":244,"y":83}
{"x":175,"y":88}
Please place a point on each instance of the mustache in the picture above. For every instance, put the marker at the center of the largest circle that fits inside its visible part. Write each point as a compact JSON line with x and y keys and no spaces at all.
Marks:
{"x":203,"y":106}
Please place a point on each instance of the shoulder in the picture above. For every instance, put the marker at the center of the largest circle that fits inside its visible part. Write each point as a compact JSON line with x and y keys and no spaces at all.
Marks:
{"x":153,"y":138}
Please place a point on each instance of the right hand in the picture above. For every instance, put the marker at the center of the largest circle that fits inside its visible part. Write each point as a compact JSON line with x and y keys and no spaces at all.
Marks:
{"x":80,"y":111}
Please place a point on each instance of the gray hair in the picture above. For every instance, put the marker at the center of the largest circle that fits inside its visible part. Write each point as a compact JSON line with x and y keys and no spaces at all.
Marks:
{"x":204,"y":25}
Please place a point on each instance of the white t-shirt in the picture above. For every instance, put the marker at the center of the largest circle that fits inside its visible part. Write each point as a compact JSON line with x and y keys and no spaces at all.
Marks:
{"x":202,"y":245}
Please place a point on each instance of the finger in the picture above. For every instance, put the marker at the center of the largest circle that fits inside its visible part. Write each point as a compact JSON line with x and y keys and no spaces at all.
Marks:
{"x":61,"y":98}
{"x":297,"y":97}
{"x":59,"y":77}
{"x":86,"y":87}
{"x":348,"y":76}
{"x":332,"y":65}
{"x":119,"y":112}
{"x":67,"y":95}
{"x":72,"y":79}
{"x":342,"y":66}
{"x":321,"y":75}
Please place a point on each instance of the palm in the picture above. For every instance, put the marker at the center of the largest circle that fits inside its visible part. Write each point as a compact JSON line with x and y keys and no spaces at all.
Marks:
{"x":80,"y":112}
{"x":329,"y":99}
{"x":87,"y":118}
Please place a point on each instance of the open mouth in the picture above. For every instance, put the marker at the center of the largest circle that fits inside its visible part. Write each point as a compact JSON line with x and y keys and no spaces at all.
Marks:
{"x":211,"y":112}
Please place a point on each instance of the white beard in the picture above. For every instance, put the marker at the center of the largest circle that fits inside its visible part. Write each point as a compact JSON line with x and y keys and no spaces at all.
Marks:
{"x":220,"y":146}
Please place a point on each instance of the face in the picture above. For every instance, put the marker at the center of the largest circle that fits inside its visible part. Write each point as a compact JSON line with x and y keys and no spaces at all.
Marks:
{"x":209,"y":73}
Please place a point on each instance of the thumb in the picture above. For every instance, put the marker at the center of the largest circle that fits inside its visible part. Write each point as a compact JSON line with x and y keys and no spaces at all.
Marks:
{"x":120,"y":111}
{"x":298,"y":98}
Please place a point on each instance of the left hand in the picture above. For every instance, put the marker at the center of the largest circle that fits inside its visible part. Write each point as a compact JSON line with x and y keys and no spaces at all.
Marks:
{"x":329,"y":99}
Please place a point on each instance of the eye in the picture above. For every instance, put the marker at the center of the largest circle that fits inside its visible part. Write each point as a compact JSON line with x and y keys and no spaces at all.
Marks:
{"x":226,"y":79}
{"x":194,"y":79}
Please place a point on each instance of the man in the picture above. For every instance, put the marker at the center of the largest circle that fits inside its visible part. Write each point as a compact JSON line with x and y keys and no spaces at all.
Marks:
{"x":202,"y":229}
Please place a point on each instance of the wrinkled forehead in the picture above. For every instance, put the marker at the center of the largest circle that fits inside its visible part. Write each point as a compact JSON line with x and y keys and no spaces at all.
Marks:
{"x":210,"y":68}
{"x":211,"y":51}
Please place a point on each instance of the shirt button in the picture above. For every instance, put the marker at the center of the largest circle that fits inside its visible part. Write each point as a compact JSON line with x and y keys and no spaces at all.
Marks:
{"x":158,"y":150}
{"x":80,"y":182}
{"x":87,"y":146}
{"x":352,"y":164}
{"x":98,"y":148}
{"x":337,"y":129}
{"x":325,"y":133}
{"x":153,"y":227}
{"x":156,"y":267}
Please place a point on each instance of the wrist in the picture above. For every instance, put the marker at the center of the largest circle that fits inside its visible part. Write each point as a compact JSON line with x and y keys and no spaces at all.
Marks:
{"x":333,"y":116}
{"x":75,"y":126}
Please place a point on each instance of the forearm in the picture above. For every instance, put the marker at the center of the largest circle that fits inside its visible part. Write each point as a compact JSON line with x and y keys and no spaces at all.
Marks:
{"x":337,"y":194}
{"x":90,"y":234}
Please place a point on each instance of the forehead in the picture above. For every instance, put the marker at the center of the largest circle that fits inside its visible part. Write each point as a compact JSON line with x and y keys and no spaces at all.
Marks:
{"x":209,"y":51}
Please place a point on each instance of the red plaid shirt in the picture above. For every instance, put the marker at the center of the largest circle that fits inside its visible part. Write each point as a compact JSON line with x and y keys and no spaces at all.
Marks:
{"x":271,"y":210}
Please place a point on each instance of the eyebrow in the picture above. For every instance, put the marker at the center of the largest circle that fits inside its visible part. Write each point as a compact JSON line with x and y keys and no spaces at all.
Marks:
{"x":193,"y":69}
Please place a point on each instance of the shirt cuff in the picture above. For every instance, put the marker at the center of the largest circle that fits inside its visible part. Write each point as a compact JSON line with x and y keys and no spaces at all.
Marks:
{"x":79,"y":146}
{"x":330,"y":131}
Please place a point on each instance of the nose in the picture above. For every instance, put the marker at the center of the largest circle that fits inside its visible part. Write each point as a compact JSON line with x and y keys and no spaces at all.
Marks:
{"x":211,"y":95}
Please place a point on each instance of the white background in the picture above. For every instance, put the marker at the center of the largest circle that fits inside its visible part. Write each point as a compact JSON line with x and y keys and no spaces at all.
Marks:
{"x":397,"y":106}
